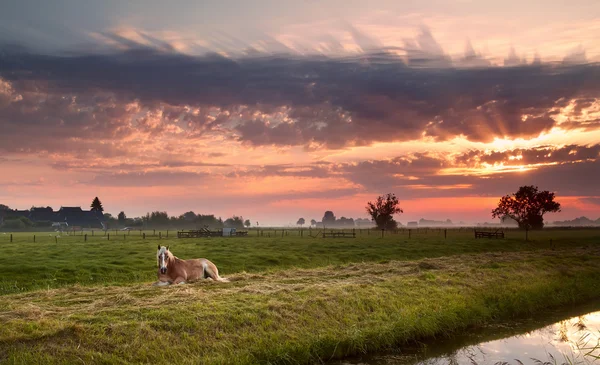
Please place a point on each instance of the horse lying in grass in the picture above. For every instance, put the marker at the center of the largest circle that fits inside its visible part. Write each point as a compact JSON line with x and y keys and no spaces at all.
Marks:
{"x":173,"y":270}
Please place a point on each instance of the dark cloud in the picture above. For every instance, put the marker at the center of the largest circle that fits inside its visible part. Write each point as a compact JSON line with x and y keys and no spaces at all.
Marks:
{"x":317,"y":100}
{"x":569,"y":170}
{"x":576,"y":172}
{"x":592,"y":200}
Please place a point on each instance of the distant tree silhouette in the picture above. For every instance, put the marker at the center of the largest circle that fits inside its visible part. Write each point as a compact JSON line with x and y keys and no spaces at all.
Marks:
{"x":189,"y":216}
{"x":383,"y":210}
{"x":328,"y":219}
{"x":313,"y":222}
{"x":97,"y":205}
{"x":301,"y":222}
{"x":344,"y":222}
{"x":4,"y":207}
{"x":234,"y":222}
{"x":527,"y":206}
{"x":247,"y":223}
{"x":121,"y":217}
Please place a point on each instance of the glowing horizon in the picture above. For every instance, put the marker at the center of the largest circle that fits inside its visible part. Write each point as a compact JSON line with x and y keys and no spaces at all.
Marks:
{"x":279,"y":113}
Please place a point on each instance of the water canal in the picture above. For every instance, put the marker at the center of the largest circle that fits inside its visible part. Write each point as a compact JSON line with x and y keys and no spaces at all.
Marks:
{"x":566,"y":336}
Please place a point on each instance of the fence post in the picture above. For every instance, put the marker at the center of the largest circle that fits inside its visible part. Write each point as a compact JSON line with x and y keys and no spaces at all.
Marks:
{"x":33,"y":238}
{"x":444,"y":233}
{"x":11,"y":237}
{"x":409,"y":233}
{"x":382,"y":230}
{"x":159,"y":235}
{"x":154,"y":232}
{"x":55,"y":239}
{"x":108,"y":237}
{"x":144,"y":235}
{"x":85,"y":237}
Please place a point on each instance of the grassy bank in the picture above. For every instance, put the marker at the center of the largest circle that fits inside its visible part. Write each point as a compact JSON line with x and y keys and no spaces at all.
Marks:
{"x":53,"y":262}
{"x":290,"y":316}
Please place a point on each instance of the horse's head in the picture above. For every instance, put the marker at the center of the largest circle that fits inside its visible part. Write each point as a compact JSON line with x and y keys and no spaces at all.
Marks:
{"x":162,"y":258}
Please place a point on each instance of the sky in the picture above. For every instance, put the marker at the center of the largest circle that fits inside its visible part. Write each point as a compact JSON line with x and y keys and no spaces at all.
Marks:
{"x":276,"y":110}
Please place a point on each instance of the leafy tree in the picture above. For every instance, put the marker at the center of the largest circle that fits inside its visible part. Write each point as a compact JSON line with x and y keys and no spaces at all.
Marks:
{"x":234,"y":222}
{"x":527,"y":206}
{"x":313,"y":222}
{"x":301,"y":222}
{"x":14,"y":224}
{"x":209,"y":221}
{"x":159,"y":219}
{"x":4,"y":207}
{"x":383,"y":210}
{"x":97,"y":205}
{"x":109,"y":220}
{"x":247,"y":223}
{"x":363,"y":222}
{"x":189,"y":216}
{"x":122,"y":217}
{"x":344,"y":222}
{"x":328,"y":218}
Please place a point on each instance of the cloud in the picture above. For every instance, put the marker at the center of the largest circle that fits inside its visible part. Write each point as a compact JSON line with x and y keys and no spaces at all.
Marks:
{"x":592,"y":200}
{"x":283,"y":100}
{"x":145,"y":179}
{"x":531,"y":156}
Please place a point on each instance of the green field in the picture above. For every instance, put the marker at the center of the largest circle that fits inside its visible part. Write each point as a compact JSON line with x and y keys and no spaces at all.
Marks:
{"x":292,"y":299}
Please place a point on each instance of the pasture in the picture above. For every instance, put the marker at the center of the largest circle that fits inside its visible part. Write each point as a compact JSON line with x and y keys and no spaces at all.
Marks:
{"x":125,"y":257}
{"x":292,"y":299}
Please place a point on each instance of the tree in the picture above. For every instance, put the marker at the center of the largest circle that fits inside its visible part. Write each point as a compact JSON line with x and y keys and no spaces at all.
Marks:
{"x":383,"y":210}
{"x":301,"y":222}
{"x":247,"y":223}
{"x":527,"y":206}
{"x":4,"y":208}
{"x":313,"y":222}
{"x":344,"y":222}
{"x":189,"y":216}
{"x":97,"y":205}
{"x":122,"y":217}
{"x":328,"y":219}
{"x":234,"y":222}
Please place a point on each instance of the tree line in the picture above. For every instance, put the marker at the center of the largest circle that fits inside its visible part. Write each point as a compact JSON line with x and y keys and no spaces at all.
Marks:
{"x":526,"y":207}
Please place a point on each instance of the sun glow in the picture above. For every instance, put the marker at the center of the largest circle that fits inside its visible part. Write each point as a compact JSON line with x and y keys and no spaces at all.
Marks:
{"x":490,"y":169}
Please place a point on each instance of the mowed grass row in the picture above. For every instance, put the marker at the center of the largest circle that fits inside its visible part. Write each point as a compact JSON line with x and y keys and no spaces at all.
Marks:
{"x":293,"y":316}
{"x":53,"y":262}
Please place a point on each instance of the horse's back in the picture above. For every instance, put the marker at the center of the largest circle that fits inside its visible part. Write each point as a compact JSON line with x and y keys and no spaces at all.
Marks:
{"x":200,"y":268}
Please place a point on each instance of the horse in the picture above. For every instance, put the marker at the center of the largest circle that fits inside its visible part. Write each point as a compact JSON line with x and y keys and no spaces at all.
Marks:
{"x":173,"y":270}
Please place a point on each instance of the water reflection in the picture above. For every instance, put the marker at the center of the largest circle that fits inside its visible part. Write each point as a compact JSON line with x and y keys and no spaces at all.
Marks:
{"x":549,"y":341}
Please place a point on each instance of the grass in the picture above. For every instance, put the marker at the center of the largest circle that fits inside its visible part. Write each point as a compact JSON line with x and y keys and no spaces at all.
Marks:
{"x":292,"y":300}
{"x":131,"y":259}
